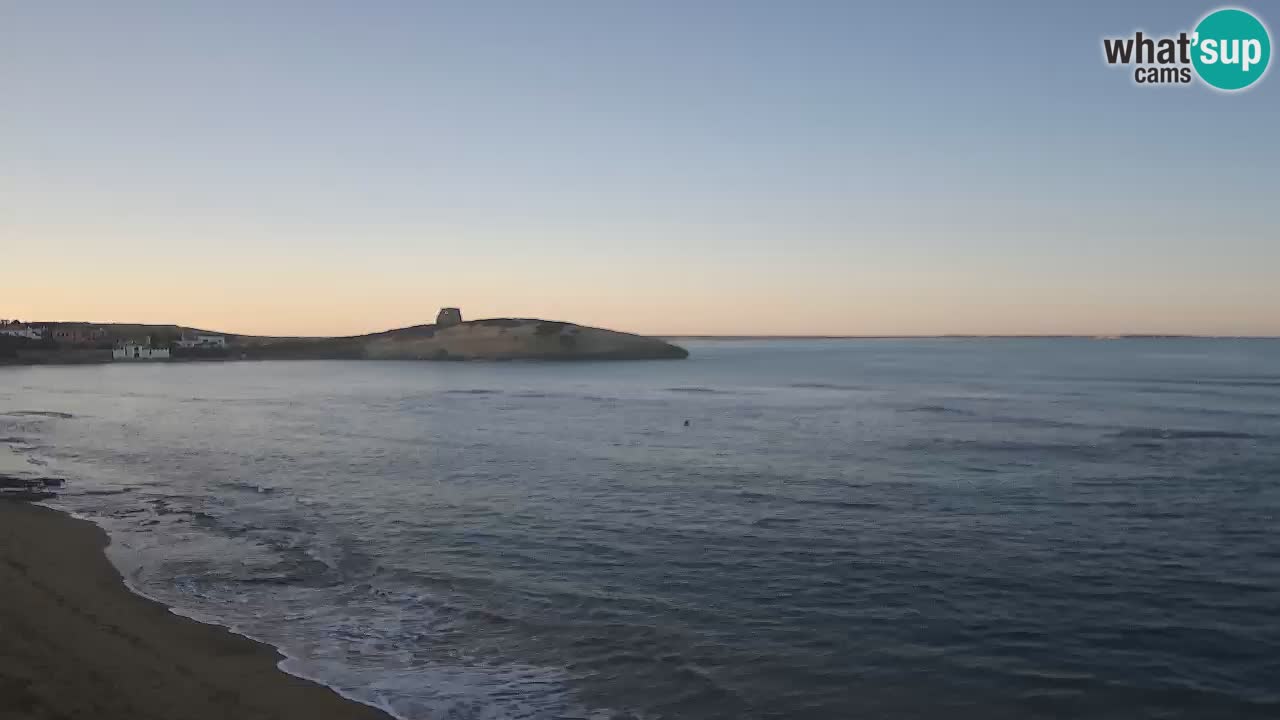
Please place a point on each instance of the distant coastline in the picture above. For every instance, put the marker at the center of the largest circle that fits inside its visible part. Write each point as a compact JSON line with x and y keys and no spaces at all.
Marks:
{"x":449,"y":338}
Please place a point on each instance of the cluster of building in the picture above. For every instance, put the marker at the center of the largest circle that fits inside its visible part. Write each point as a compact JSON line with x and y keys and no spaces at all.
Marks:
{"x":22,"y":330}
{"x":203,"y":341}
{"x":85,"y":336}
{"x":68,"y":334}
{"x":130,"y":350}
{"x":145,"y":350}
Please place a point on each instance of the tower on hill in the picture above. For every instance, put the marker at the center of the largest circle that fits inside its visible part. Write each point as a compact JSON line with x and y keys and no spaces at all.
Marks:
{"x":448,"y":316}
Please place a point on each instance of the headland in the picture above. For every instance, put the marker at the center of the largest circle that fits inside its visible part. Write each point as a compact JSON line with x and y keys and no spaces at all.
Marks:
{"x":449,"y":338}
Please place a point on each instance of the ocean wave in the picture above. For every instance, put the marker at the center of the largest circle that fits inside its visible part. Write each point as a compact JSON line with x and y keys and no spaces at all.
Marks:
{"x":826,"y":386}
{"x":850,"y":504}
{"x":540,"y":395}
{"x":301,"y":572}
{"x":942,"y":410}
{"x":997,"y":446}
{"x":1168,"y":434}
{"x":248,"y":487}
{"x":1037,"y":422}
{"x":39,"y":413}
{"x":767,"y":522}
{"x":1252,"y":382}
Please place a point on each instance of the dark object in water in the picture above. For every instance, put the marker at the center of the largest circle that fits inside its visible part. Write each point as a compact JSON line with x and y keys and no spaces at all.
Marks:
{"x":9,"y":481}
{"x":30,"y":495}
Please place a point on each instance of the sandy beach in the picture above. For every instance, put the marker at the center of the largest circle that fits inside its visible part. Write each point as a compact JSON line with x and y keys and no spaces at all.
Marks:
{"x":76,"y":643}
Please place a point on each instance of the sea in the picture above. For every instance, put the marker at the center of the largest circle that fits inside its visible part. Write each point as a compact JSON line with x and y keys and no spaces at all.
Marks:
{"x":810,"y":529}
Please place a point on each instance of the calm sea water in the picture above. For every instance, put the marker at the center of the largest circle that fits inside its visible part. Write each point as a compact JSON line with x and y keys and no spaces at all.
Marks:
{"x":844,"y":529}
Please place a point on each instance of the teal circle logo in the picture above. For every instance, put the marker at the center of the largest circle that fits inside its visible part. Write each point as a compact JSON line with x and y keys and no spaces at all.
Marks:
{"x":1232,"y":49}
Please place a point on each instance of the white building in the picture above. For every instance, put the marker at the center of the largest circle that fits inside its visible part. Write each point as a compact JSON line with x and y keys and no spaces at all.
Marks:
{"x":203,"y":341}
{"x":25,"y":331}
{"x":130,"y":350}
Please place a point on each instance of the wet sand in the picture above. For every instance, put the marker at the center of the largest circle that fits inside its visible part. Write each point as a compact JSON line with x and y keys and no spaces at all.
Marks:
{"x":76,"y":643}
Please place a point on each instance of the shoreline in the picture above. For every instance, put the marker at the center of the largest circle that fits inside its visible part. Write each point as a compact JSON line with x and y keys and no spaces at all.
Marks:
{"x":79,"y":642}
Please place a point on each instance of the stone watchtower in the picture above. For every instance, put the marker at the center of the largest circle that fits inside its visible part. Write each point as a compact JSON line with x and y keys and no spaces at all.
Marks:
{"x":448,"y":316}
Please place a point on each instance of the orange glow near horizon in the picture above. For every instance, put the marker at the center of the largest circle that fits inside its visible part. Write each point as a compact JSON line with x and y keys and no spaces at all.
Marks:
{"x":313,"y":300}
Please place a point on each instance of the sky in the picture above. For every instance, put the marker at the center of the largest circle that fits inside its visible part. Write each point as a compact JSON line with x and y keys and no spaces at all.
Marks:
{"x":710,"y":167}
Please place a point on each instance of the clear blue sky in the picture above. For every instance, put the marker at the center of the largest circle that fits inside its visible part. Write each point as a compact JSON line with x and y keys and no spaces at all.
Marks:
{"x":665,"y":167}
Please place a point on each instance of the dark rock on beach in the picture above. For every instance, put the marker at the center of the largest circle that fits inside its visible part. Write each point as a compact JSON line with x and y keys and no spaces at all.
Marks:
{"x":28,"y":489}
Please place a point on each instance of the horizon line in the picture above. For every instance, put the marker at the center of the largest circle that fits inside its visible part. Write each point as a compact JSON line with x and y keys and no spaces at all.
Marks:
{"x":756,"y":336}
